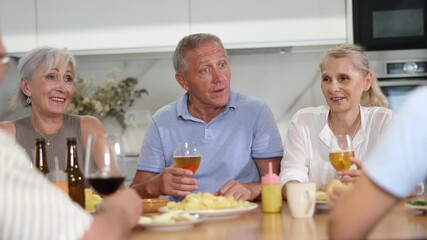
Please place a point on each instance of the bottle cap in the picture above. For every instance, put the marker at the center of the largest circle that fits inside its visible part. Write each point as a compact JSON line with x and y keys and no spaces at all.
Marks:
{"x":56,"y":174}
{"x":270,"y":177}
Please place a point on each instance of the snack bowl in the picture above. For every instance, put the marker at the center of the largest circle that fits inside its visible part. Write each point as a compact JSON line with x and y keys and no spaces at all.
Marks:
{"x":152,"y":205}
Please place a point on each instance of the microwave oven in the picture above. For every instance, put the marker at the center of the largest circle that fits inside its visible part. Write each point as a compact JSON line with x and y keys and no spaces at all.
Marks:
{"x":390,"y":24}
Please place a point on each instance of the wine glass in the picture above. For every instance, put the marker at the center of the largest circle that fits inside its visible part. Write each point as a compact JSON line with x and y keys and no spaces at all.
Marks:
{"x":105,"y":164}
{"x":187,"y":156}
{"x":340,"y":152}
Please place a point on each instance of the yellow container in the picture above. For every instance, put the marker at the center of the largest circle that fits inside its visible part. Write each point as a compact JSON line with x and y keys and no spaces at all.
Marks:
{"x":271,"y":192}
{"x":271,"y":198}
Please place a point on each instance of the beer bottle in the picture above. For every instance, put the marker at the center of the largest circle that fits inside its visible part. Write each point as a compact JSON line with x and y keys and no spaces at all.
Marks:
{"x":76,"y":183}
{"x":40,"y":159}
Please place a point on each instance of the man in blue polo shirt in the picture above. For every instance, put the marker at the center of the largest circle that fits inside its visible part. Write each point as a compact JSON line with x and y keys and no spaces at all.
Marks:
{"x":237,"y":134}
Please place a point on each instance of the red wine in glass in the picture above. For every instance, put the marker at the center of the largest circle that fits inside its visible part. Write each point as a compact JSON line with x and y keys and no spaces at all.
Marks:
{"x":106,"y":185}
{"x":105,"y":163}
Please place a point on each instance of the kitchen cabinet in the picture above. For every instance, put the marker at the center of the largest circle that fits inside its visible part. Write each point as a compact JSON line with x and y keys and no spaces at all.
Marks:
{"x":273,"y":23}
{"x":108,"y":26}
{"x":122,"y":26}
{"x":18,"y":25}
{"x":96,"y":26}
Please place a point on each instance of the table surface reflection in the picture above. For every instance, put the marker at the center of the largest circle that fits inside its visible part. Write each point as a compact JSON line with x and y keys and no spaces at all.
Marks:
{"x":400,"y":223}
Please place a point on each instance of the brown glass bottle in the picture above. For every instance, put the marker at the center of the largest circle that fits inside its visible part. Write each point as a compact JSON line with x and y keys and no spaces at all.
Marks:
{"x":40,"y":161}
{"x":76,"y":183}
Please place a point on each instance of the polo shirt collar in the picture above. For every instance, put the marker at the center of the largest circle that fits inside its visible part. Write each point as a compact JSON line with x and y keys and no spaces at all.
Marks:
{"x":182,"y":109}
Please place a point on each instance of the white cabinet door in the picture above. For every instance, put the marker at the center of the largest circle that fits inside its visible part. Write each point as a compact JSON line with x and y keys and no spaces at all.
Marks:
{"x":115,"y":26}
{"x":18,"y":25}
{"x":271,"y":23}
{"x":111,"y":26}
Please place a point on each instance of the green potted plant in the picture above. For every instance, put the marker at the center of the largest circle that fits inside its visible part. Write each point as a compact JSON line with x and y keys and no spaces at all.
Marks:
{"x":111,"y":98}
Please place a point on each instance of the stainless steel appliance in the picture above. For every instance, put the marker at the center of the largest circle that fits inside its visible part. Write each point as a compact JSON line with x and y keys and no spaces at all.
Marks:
{"x":399,"y":72}
{"x":390,"y":24}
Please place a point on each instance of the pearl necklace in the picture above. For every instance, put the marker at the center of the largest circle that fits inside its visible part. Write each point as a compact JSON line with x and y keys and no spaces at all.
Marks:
{"x":48,"y":139}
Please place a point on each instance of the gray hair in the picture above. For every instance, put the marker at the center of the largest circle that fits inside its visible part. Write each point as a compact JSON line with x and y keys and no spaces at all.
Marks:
{"x":356,"y":53}
{"x":189,"y":43}
{"x":30,"y":64}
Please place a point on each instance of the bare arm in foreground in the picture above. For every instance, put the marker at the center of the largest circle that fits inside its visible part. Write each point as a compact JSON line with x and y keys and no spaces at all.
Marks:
{"x":366,"y":204}
{"x":117,"y":215}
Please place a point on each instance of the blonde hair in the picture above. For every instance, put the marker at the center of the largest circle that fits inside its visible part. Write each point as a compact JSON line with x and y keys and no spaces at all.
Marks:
{"x":373,"y":96}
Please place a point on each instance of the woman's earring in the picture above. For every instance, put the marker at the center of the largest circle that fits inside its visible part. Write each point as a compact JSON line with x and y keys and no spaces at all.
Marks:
{"x":28,"y":100}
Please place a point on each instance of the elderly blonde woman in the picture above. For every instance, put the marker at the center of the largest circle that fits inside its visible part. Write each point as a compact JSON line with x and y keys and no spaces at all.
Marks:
{"x":356,"y":107}
{"x":46,"y":85}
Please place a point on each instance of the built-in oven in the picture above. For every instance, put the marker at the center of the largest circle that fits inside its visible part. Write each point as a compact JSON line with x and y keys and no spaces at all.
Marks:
{"x":397,"y":78}
{"x":390,"y":24}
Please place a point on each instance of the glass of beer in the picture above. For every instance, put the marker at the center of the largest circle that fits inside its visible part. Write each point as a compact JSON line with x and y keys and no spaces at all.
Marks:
{"x":187,"y":156}
{"x":341,"y":151}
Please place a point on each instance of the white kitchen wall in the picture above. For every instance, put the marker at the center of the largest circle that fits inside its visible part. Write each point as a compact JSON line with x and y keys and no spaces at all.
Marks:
{"x":286,"y":81}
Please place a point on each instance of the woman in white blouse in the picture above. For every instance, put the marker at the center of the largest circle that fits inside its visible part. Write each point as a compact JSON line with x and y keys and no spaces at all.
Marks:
{"x":356,"y":106}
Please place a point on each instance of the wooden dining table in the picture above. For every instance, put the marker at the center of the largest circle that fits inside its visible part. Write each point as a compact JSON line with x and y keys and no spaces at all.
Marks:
{"x":400,"y":223}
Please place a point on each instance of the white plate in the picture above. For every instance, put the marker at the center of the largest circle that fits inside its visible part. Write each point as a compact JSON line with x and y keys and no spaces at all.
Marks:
{"x":416,"y":207}
{"x":322,"y":205}
{"x":219,"y":214}
{"x":173,"y":226}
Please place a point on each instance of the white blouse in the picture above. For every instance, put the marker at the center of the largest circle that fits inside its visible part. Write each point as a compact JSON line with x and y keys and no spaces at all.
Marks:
{"x":307,"y":143}
{"x":30,"y":206}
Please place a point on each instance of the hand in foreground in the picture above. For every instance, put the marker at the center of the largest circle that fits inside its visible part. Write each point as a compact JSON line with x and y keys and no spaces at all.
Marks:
{"x":323,"y":188}
{"x":126,"y":204}
{"x":239,"y":191}
{"x":335,"y":195}
{"x":418,"y":191}
{"x":351,"y":176}
{"x":116,"y":216}
{"x":178,"y":182}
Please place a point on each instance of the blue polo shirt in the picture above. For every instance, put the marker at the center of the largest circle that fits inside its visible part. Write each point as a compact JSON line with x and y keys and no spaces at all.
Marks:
{"x":244,"y":131}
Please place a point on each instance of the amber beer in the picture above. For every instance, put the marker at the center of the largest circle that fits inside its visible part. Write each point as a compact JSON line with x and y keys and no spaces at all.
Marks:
{"x":341,"y":160}
{"x":63,"y":185}
{"x":58,"y":177}
{"x":187,"y":162}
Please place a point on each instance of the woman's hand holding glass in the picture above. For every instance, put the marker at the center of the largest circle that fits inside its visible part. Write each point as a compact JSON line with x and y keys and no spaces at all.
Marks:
{"x":351,"y":176}
{"x":341,"y":156}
